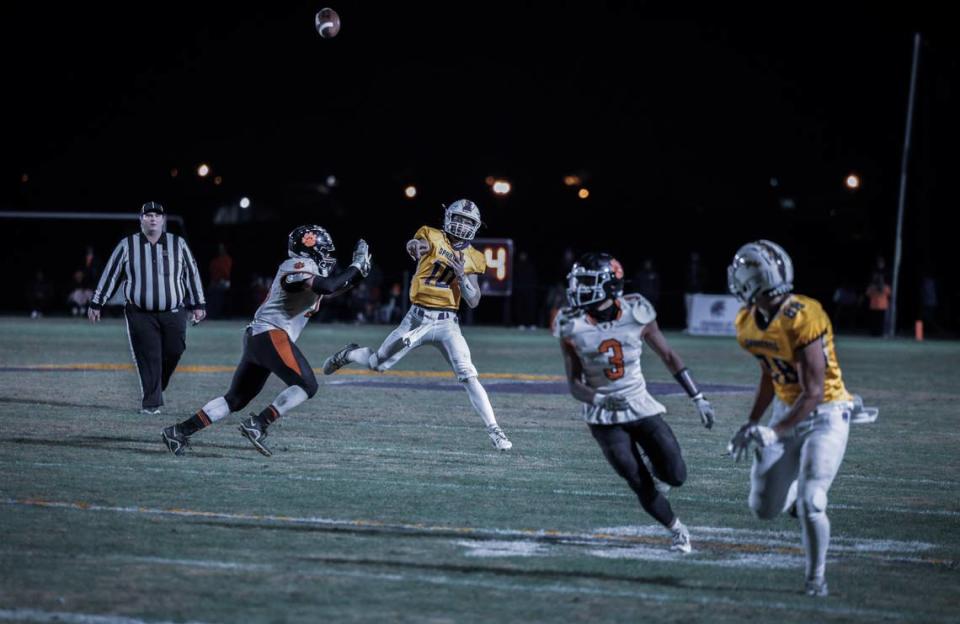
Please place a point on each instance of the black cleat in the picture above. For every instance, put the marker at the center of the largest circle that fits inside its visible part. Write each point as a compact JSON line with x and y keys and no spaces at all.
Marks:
{"x":176,"y":442}
{"x":252,"y":431}
{"x":338,"y":360}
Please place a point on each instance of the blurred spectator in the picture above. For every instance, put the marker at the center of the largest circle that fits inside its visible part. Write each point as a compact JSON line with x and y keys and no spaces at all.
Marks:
{"x":929,"y":304}
{"x":525,"y":284}
{"x":91,"y":268}
{"x":556,"y":300}
{"x":80,"y":294}
{"x":392,"y":310}
{"x":566,"y":263}
{"x":878,"y":293}
{"x":39,"y":294}
{"x":259,"y":289}
{"x":647,"y":282}
{"x":694,"y":277}
{"x":218,"y":293}
{"x":845,"y":305}
{"x":374,"y":282}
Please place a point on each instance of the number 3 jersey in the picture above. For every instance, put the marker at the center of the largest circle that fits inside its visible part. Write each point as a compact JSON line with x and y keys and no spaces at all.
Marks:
{"x":610,"y":357}
{"x":799,"y":322}
{"x":434,"y":284}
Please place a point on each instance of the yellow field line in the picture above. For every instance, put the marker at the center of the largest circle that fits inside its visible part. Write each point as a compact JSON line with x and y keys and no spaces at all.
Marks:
{"x":201,"y":368}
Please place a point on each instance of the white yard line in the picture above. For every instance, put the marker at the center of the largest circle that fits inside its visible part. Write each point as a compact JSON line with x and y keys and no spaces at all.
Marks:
{"x":64,"y":617}
{"x":676,"y":495}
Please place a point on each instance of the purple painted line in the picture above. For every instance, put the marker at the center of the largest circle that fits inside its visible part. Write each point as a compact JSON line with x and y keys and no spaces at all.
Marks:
{"x":535,"y":387}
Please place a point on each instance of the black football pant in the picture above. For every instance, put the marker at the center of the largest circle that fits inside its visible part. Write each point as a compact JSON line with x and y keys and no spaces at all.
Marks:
{"x":157,"y":340}
{"x":620,"y":446}
{"x":268,"y":352}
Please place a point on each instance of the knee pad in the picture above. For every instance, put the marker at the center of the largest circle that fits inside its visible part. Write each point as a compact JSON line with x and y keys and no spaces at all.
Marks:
{"x":813,"y":501}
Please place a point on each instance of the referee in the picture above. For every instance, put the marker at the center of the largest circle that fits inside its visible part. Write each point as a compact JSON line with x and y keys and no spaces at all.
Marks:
{"x":160,"y":283}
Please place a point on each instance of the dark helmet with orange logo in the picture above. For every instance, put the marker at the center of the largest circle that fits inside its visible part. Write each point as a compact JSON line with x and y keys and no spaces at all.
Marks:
{"x":314,"y":242}
{"x":593,"y":279}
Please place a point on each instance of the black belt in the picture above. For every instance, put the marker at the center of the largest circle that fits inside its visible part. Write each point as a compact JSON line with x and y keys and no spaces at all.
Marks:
{"x":437,"y":314}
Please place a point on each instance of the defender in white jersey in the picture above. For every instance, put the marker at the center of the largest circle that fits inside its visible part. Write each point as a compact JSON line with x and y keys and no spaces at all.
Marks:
{"x":602,"y":335}
{"x":268,"y":343}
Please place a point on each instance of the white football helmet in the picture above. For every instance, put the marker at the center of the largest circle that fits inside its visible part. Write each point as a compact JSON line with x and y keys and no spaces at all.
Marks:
{"x":760,"y":267}
{"x":466,"y":224}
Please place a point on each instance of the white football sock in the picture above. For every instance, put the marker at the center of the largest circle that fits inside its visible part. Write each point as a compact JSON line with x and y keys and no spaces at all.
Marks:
{"x":216,"y":409}
{"x":816,"y":537}
{"x":289,"y":399}
{"x":480,"y":401}
{"x":360,"y":356}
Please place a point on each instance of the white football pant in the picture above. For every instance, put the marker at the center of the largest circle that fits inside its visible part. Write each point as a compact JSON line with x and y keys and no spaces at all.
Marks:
{"x":808,"y":460}
{"x":441,"y":330}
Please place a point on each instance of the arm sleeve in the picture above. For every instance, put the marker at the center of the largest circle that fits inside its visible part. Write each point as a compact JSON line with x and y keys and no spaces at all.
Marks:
{"x":337,"y":283}
{"x":110,"y":277}
{"x":194,"y":299}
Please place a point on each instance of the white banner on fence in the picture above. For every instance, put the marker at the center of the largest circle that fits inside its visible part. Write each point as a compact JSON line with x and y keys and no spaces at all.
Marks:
{"x":711,"y":315}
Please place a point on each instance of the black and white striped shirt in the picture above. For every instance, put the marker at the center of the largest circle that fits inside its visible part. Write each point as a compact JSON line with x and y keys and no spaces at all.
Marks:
{"x":155,"y":277}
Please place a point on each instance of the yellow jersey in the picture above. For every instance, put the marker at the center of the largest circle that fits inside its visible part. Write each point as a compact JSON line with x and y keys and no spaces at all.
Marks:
{"x":434,"y":284}
{"x":799,"y":322}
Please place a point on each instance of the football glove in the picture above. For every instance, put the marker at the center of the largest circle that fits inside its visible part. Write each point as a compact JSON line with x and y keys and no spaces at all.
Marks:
{"x":740,"y":442}
{"x":704,"y":409}
{"x":362,"y":257}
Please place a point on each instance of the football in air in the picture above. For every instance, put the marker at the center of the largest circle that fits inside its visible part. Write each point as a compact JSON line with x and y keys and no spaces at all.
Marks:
{"x":327,"y":22}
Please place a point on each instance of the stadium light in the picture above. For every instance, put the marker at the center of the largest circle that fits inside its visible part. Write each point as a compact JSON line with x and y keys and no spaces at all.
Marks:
{"x":501,"y":187}
{"x":218,"y":180}
{"x":490,"y":180}
{"x":852,"y":181}
{"x":410,"y":191}
{"x":331,"y":181}
{"x":203,"y":170}
{"x":244,"y":202}
{"x":583,"y":193}
{"x":571,"y":180}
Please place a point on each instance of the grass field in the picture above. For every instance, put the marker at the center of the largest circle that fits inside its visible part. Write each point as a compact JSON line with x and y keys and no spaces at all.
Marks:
{"x":384,"y":500}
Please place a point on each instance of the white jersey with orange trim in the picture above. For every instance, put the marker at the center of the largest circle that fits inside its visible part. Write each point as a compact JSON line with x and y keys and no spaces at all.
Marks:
{"x":288,"y":310}
{"x":610,"y":356}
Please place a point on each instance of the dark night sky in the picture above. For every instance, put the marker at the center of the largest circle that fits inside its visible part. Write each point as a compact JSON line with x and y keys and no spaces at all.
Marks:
{"x":678,"y":124}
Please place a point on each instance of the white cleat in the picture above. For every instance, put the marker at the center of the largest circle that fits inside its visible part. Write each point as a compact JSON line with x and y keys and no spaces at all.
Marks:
{"x":499,"y":438}
{"x":680,"y":542}
{"x":816,"y":588}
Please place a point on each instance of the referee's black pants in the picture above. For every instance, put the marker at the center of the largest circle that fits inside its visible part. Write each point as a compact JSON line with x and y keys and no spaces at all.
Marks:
{"x":157,"y":340}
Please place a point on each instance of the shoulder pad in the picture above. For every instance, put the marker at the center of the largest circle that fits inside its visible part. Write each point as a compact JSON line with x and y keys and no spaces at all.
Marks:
{"x":563,"y":323}
{"x":641,"y":309}
{"x":299,"y":265}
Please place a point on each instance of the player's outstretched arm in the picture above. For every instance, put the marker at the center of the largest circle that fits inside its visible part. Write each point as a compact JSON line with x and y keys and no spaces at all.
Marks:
{"x":671,"y":359}
{"x":353,"y":275}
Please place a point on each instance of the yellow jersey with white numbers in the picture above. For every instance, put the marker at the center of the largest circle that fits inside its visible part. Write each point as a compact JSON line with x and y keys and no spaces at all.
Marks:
{"x":800,"y":321}
{"x":434,"y":285}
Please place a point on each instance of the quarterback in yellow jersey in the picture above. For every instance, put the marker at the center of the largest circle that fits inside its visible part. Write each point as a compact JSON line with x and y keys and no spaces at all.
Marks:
{"x":447,"y":270}
{"x":800,"y":450}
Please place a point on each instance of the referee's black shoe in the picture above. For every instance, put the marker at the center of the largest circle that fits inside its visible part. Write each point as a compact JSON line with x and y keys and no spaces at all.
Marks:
{"x":176,"y":442}
{"x":253,"y":432}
